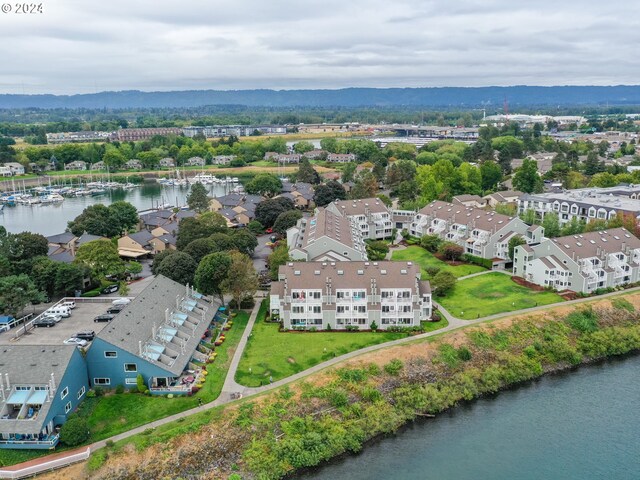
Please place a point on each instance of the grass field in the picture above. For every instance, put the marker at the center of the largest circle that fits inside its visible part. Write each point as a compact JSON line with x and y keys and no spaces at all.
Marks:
{"x":490,"y":294}
{"x":426,"y":259}
{"x":270,"y":353}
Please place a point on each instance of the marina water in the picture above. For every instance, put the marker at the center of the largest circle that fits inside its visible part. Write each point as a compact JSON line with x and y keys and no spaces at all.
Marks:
{"x":580,"y":425}
{"x":50,"y":219}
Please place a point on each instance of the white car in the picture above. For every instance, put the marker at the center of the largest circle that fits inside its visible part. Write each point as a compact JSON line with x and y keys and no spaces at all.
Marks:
{"x":121,"y":301}
{"x":52,"y":316}
{"x":71,"y":304}
{"x":76,"y":341}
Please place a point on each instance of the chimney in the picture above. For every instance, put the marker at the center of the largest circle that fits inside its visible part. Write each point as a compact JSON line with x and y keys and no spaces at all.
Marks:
{"x":166,"y":315}
{"x":53,"y":381}
{"x":153,"y":330}
{"x":140,"y":347}
{"x":6,"y":376}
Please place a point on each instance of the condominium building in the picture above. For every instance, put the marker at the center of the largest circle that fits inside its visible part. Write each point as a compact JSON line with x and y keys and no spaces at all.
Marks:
{"x":338,"y":295}
{"x":582,"y":263}
{"x":482,"y":233}
{"x":325,"y":237}
{"x":370,"y":215}
{"x":585,"y":203}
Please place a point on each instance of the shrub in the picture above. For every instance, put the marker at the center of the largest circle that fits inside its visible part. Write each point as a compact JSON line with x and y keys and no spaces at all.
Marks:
{"x":451,"y":251}
{"x":96,"y":460}
{"x":91,"y":394}
{"x":120,"y":389}
{"x":432,"y":271}
{"x":622,"y":304}
{"x":483,"y":262}
{"x":329,"y":328}
{"x":235,"y":476}
{"x":142,"y":388}
{"x":74,"y":432}
{"x":338,"y":398}
{"x":352,"y":328}
{"x":91,"y":293}
{"x":354,"y":375}
{"x":464,"y":354}
{"x":374,"y":326}
{"x":99,"y":391}
{"x":394,"y":367}
{"x":584,"y":321}
{"x":431,"y":243}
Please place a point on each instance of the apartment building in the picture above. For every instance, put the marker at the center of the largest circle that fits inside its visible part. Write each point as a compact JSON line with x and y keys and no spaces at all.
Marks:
{"x":586,"y":204}
{"x":370,"y":215}
{"x":325,"y":237}
{"x":338,"y":295}
{"x":581,"y":263}
{"x":482,"y":233}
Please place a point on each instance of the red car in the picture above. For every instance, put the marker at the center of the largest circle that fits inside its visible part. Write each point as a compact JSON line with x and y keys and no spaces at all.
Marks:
{"x":269,"y":230}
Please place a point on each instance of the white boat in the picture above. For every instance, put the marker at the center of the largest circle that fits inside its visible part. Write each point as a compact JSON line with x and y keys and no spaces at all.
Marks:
{"x":204,"y":178}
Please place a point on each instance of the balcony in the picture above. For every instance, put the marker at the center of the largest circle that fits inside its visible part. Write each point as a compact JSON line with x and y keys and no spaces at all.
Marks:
{"x":30,"y":442}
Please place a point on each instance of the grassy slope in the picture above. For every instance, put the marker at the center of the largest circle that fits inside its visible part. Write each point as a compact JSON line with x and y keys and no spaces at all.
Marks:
{"x":426,"y":259}
{"x":270,"y":353}
{"x":490,"y":294}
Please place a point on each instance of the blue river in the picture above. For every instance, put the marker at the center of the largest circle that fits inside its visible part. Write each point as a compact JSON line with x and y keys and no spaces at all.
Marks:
{"x":579,"y":425}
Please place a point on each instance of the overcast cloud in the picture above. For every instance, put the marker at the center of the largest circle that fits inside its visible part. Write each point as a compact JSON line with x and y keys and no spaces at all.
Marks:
{"x":84,"y":46}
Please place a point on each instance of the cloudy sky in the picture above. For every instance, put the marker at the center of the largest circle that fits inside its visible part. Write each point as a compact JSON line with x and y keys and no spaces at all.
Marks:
{"x":84,"y":46}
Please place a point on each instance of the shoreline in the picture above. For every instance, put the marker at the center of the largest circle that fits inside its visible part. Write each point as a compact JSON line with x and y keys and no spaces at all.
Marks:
{"x":423,"y":419}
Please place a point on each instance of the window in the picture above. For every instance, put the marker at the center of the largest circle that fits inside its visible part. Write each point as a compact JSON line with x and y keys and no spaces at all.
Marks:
{"x":67,"y":407}
{"x":130,"y":367}
{"x":81,"y":392}
{"x":111,"y":354}
{"x":64,"y":393}
{"x":316,"y":295}
{"x":102,"y":381}
{"x":315,"y":309}
{"x":131,"y":381}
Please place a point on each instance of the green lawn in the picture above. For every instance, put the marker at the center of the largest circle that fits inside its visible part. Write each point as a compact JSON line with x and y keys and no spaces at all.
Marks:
{"x":113,"y":414}
{"x":270,"y":353}
{"x":490,"y":294}
{"x":426,"y":259}
{"x":264,"y":163}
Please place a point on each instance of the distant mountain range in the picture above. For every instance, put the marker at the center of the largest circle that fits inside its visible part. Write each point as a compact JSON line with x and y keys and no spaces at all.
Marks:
{"x":445,"y":97}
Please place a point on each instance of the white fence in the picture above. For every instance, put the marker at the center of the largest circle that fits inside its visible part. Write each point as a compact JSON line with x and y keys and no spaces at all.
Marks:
{"x":46,"y":466}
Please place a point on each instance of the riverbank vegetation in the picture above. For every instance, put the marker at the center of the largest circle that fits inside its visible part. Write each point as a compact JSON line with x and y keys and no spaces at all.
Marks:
{"x":337,"y":411}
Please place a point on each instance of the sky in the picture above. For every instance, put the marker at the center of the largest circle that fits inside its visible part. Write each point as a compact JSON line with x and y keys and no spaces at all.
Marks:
{"x":87,"y":46}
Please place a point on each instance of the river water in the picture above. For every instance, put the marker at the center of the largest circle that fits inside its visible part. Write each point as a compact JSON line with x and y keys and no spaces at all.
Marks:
{"x":51,"y":219}
{"x":580,"y":425}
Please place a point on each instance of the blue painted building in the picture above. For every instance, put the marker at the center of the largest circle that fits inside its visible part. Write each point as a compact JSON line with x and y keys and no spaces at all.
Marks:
{"x":39,"y":387}
{"x":157,"y":335}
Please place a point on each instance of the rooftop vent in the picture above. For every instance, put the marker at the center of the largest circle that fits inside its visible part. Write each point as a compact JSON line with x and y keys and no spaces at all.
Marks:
{"x":340,"y":272}
{"x":383,"y":272}
{"x":296,"y":272}
{"x":360,"y":272}
{"x":403,"y":272}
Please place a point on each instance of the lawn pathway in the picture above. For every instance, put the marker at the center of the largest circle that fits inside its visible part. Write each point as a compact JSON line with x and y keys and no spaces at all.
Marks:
{"x":230,"y":386}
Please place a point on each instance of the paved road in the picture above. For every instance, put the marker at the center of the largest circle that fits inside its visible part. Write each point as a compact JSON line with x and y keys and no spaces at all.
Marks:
{"x":261,"y":253}
{"x":230,"y":386}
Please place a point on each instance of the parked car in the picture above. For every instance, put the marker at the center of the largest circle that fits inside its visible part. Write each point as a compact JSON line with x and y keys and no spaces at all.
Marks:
{"x":60,"y":310}
{"x":107,"y":317}
{"x":44,"y":322}
{"x":52,"y":316}
{"x":86,"y":335}
{"x":110,"y":289}
{"x":71,"y":304}
{"x":269,"y":230}
{"x":121,"y":301}
{"x":116,"y":309}
{"x":76,"y":341}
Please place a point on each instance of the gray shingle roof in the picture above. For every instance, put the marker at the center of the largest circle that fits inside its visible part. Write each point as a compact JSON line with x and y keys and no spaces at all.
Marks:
{"x":135,"y":323}
{"x":33,"y":365}
{"x":64,"y":237}
{"x":142,"y":237}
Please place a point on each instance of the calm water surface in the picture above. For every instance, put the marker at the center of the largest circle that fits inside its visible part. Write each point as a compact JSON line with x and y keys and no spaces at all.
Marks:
{"x":52,"y":218}
{"x":582,"y":425}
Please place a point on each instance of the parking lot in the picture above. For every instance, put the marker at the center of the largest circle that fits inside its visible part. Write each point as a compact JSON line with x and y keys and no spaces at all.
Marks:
{"x":81,"y":319}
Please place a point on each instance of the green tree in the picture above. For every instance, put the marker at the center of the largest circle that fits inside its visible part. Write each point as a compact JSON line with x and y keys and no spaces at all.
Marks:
{"x":286,"y":220}
{"x":377,"y":250}
{"x":95,"y":219}
{"x":603,"y":179}
{"x":306,"y":173}
{"x":158,"y":258}
{"x":123,"y":215}
{"x":526,"y":178}
{"x":43,"y":274}
{"x":101,"y":257}
{"x":303,"y":147}
{"x":268,"y":210}
{"x":491,"y":175}
{"x":16,"y":292}
{"x":326,"y":193}
{"x":264,"y":184}
{"x":133,"y":268}
{"x":203,"y":226}
{"x":255,"y":227}
{"x":244,"y":240}
{"x":279,"y":256}
{"x":443,"y":282}
{"x":529,"y":216}
{"x":593,"y":164}
{"x":179,"y":267}
{"x":75,"y":431}
{"x":348,"y":172}
{"x":551,"y":225}
{"x":513,"y":243}
{"x":212,"y":271}
{"x":198,"y":200}
{"x":243,"y":283}
{"x":366,"y":186}
{"x":329,"y":144}
{"x":431,"y":242}
{"x":113,"y":158}
{"x":17,"y":247}
{"x":69,"y":278}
